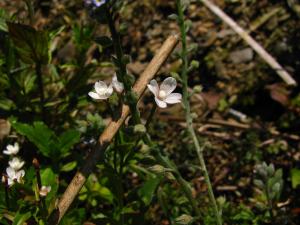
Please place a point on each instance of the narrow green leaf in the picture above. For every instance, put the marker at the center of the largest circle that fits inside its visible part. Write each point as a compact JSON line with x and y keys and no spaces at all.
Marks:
{"x":20,"y":219}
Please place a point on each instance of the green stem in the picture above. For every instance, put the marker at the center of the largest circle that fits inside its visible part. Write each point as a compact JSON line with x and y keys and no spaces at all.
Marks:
{"x":6,"y":191}
{"x":270,"y":204}
{"x":136,"y":115}
{"x":38,"y":70}
{"x":122,"y":75}
{"x":188,"y":117}
{"x":30,"y":11}
{"x":150,"y":117}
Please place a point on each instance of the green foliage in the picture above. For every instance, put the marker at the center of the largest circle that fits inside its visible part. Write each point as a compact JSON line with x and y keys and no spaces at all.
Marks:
{"x":21,"y":218}
{"x":295,"y":177}
{"x":146,"y":192}
{"x":31,"y":45}
{"x":49,"y":145}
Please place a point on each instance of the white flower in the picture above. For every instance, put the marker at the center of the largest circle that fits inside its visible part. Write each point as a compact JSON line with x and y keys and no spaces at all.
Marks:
{"x":44,"y":190}
{"x":12,"y":149}
{"x":16,"y":163}
{"x":14,"y":176}
{"x":102,"y":91}
{"x":95,"y":3}
{"x":118,"y":86}
{"x":98,"y":3}
{"x":163,"y":94}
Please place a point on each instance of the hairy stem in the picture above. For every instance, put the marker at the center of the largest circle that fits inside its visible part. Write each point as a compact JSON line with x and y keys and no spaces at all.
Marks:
{"x":122,"y":75}
{"x":135,"y":113}
{"x":188,"y":117}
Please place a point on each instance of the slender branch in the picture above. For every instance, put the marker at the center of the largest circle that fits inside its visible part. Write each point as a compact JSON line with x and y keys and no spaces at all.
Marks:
{"x":256,"y":46}
{"x":188,"y":117}
{"x":110,"y":131}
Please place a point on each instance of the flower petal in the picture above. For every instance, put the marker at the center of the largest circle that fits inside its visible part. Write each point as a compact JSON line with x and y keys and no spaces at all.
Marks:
{"x":153,"y":87}
{"x":99,"y":86}
{"x":118,"y":86}
{"x":160,"y":104}
{"x":10,"y":172}
{"x":173,"y":98}
{"x":6,"y":152}
{"x":94,"y":95}
{"x":168,"y":85}
{"x":109,"y":91}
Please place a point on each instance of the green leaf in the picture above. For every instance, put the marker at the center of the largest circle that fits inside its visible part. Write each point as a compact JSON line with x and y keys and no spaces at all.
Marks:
{"x":295,"y":177}
{"x":3,"y":17}
{"x":69,"y":166}
{"x":146,"y":192}
{"x":20,"y":219}
{"x":31,"y":45}
{"x":39,"y":134}
{"x":49,"y":178}
{"x":67,"y":140}
{"x":6,"y":104}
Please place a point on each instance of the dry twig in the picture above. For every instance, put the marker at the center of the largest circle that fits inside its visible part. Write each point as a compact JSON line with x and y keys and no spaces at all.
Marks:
{"x":256,"y":46}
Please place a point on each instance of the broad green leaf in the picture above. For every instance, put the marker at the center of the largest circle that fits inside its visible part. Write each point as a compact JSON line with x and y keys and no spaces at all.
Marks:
{"x":146,"y":192}
{"x":20,"y":219}
{"x":295,"y":177}
{"x":67,"y":140}
{"x":32,"y":45}
{"x":39,"y":134}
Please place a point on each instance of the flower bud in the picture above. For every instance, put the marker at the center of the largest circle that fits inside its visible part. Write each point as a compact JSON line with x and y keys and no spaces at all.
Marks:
{"x":184,"y":219}
{"x":139,"y":129}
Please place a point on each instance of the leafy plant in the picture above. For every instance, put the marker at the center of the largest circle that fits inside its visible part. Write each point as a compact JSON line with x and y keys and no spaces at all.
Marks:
{"x":48,"y":143}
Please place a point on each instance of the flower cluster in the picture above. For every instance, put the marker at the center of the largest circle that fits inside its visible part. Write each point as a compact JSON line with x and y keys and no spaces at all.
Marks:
{"x":104,"y":91}
{"x":162,"y":94}
{"x":13,"y":171}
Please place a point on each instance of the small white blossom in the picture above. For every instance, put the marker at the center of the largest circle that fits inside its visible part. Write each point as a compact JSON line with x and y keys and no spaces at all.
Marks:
{"x":102,"y":91}
{"x":163,"y":93}
{"x":12,"y":149}
{"x":16,"y":163}
{"x":95,"y":3}
{"x":117,"y":85}
{"x":14,"y":176}
{"x":44,"y":191}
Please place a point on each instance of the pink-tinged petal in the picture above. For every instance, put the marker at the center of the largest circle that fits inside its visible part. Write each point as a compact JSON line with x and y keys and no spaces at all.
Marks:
{"x":153,"y":87}
{"x":94,"y":95}
{"x":168,"y":85}
{"x":160,"y":104}
{"x":173,"y":98}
